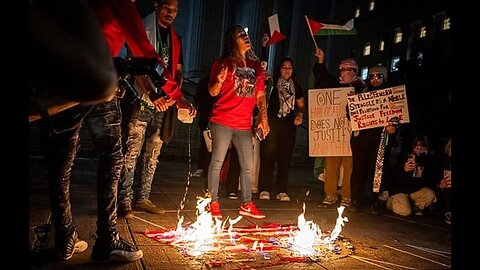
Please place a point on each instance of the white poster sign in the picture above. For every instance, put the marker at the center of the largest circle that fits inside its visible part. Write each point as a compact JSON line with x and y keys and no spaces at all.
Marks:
{"x":328,"y":127}
{"x":375,"y":108}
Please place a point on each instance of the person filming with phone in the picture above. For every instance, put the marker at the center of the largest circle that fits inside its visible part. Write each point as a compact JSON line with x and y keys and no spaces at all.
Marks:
{"x":413,"y":184}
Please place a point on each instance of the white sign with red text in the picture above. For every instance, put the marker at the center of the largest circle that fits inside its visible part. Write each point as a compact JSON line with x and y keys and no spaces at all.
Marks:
{"x":375,"y":108}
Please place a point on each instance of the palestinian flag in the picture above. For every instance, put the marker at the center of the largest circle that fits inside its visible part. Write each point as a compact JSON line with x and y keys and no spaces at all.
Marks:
{"x":323,"y":29}
{"x":275,"y":34}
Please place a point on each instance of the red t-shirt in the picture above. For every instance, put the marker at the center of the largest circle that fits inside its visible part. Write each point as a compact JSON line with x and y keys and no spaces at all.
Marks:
{"x":234,"y":104}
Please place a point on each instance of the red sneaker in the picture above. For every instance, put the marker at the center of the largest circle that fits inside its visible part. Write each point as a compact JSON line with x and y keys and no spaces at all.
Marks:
{"x":215,"y":209}
{"x":250,"y":210}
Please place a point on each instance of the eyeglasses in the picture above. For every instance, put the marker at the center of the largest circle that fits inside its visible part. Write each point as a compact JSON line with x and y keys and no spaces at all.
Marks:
{"x":377,"y":76}
{"x":348,"y":69}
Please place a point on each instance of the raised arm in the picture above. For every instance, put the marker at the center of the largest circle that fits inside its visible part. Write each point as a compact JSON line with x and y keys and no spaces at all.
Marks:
{"x":217,"y":78}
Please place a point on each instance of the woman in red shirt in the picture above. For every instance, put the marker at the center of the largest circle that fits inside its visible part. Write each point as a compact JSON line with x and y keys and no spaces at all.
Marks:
{"x":237,"y":82}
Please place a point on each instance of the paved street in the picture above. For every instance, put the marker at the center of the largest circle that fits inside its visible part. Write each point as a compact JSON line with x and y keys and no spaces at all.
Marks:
{"x":380,"y":242}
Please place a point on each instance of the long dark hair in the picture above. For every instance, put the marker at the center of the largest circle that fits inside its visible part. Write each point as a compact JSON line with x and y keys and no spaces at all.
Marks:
{"x":230,"y":44}
{"x":420,"y":140}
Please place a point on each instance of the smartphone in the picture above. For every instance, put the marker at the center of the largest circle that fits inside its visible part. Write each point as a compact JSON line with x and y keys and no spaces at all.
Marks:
{"x":259,"y":134}
{"x":411,"y":157}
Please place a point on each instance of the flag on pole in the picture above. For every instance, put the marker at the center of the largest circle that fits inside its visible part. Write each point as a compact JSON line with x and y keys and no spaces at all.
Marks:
{"x":323,"y":29}
{"x":275,"y":34}
{"x":310,"y":29}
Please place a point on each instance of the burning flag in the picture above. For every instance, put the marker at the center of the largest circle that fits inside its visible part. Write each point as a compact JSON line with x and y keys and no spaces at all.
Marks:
{"x":306,"y":240}
{"x":210,"y":241}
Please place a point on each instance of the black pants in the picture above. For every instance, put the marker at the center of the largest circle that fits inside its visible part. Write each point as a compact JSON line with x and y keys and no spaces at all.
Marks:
{"x":364,"y":156}
{"x":103,"y":122}
{"x":277,"y":148}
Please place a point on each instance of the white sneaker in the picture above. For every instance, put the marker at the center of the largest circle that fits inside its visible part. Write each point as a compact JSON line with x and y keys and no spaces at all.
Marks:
{"x":283,"y":197}
{"x":264,"y":195}
{"x":232,"y":196}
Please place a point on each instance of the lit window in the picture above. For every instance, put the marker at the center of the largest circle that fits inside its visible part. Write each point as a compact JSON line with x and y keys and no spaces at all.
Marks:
{"x":364,"y":73}
{"x":395,"y":64}
{"x":357,"y":12}
{"x":366,"y":49}
{"x":371,"y":6}
{"x":398,"y":35}
{"x":423,"y":31}
{"x":381,"y":46}
{"x":446,"y":23}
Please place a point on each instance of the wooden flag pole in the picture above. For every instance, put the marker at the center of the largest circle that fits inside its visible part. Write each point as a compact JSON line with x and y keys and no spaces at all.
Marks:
{"x":311,"y":33}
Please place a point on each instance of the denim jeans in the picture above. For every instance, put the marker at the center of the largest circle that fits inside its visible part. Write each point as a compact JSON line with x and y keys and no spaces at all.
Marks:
{"x":61,"y":151}
{"x":103,"y":122}
{"x":222,"y":136}
{"x":144,"y":127}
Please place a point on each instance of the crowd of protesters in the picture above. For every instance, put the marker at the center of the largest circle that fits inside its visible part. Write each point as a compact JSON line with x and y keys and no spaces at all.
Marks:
{"x":415,"y":177}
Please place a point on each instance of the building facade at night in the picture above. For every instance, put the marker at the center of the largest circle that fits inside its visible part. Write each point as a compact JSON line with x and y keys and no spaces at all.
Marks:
{"x":411,"y":38}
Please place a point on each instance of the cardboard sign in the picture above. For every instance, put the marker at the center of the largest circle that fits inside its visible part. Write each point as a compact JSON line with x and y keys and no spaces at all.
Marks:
{"x":375,"y":108}
{"x":328,"y":128}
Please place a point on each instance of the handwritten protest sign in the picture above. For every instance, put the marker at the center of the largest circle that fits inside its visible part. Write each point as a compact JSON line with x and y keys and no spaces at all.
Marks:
{"x":374,"y":109}
{"x":328,"y":127}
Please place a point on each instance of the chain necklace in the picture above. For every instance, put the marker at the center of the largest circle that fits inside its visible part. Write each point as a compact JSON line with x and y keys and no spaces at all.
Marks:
{"x":163,"y":47}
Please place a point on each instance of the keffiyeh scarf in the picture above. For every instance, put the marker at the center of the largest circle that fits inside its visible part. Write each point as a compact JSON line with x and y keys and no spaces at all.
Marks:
{"x":286,"y":96}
